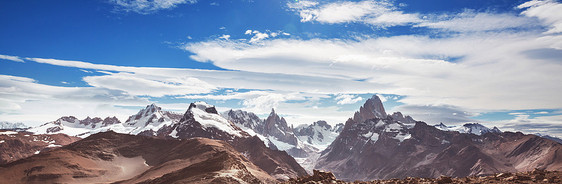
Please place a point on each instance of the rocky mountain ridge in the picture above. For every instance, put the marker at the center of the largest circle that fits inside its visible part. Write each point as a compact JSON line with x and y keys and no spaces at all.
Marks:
{"x":109,"y":157}
{"x":469,"y":128}
{"x":304,"y":142}
{"x":375,"y":146}
{"x":17,"y":145}
{"x":12,"y":126}
{"x":199,"y":120}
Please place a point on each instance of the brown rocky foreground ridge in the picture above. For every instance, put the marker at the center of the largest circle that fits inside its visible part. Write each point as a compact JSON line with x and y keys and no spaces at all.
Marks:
{"x":110,"y":157}
{"x":535,"y":176}
{"x":17,"y":145}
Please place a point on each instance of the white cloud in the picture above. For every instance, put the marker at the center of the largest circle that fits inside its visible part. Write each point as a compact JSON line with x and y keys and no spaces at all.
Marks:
{"x":377,"y":13}
{"x":301,"y":4}
{"x":136,"y":85}
{"x":86,"y":71}
{"x":260,"y":102}
{"x":470,"y":20}
{"x":148,"y":6}
{"x":347,"y":99}
{"x":225,"y":37}
{"x":493,"y":69}
{"x":547,"y":11}
{"x":24,"y":100}
{"x":386,"y":14}
{"x":435,"y":114}
{"x":546,"y":125}
{"x":258,"y":36}
{"x":232,"y":79}
{"x":11,"y":58}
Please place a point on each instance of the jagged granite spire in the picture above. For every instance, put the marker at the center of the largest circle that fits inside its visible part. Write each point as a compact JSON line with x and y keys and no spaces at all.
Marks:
{"x":372,"y":108}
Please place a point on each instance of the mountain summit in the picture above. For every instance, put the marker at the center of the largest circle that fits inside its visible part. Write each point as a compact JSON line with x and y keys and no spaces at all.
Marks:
{"x":373,"y":108}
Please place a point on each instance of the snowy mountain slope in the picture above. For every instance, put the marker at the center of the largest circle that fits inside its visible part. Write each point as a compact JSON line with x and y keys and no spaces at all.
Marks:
{"x":469,"y":128}
{"x":304,"y":143}
{"x":149,"y":120}
{"x":203,"y":120}
{"x":318,"y":134}
{"x":273,"y":130}
{"x":146,"y":122}
{"x":11,"y":126}
{"x":72,"y":126}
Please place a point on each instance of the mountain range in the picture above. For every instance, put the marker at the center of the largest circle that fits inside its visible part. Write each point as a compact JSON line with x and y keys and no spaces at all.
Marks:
{"x":12,"y":126}
{"x":242,"y":147}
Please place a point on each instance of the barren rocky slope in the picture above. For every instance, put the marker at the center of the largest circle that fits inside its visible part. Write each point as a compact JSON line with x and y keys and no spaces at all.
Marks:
{"x":18,"y":145}
{"x":111,"y":157}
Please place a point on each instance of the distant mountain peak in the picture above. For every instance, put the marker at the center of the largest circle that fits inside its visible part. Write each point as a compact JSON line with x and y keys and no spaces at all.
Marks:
{"x":322,"y":123}
{"x":204,"y":107}
{"x":373,"y":108}
{"x":152,"y":108}
{"x":469,"y":128}
{"x":8,"y":125}
{"x":203,"y":120}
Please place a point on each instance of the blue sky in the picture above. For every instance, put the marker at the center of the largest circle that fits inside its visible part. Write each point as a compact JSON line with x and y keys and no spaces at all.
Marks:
{"x":497,"y":62}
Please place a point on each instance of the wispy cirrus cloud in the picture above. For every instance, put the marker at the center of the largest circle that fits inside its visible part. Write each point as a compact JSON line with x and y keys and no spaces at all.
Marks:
{"x":471,"y":21}
{"x":145,"y":86}
{"x":550,"y":125}
{"x":147,"y":6}
{"x":11,"y":58}
{"x":343,"y":99}
{"x":434,"y":114}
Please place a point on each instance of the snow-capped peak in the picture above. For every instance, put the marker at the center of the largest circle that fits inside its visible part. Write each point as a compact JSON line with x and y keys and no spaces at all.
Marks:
{"x":148,"y":121}
{"x":207,"y":116}
{"x":149,"y":114}
{"x":441,"y":126}
{"x":469,"y":128}
{"x":72,"y":126}
{"x":204,"y":107}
